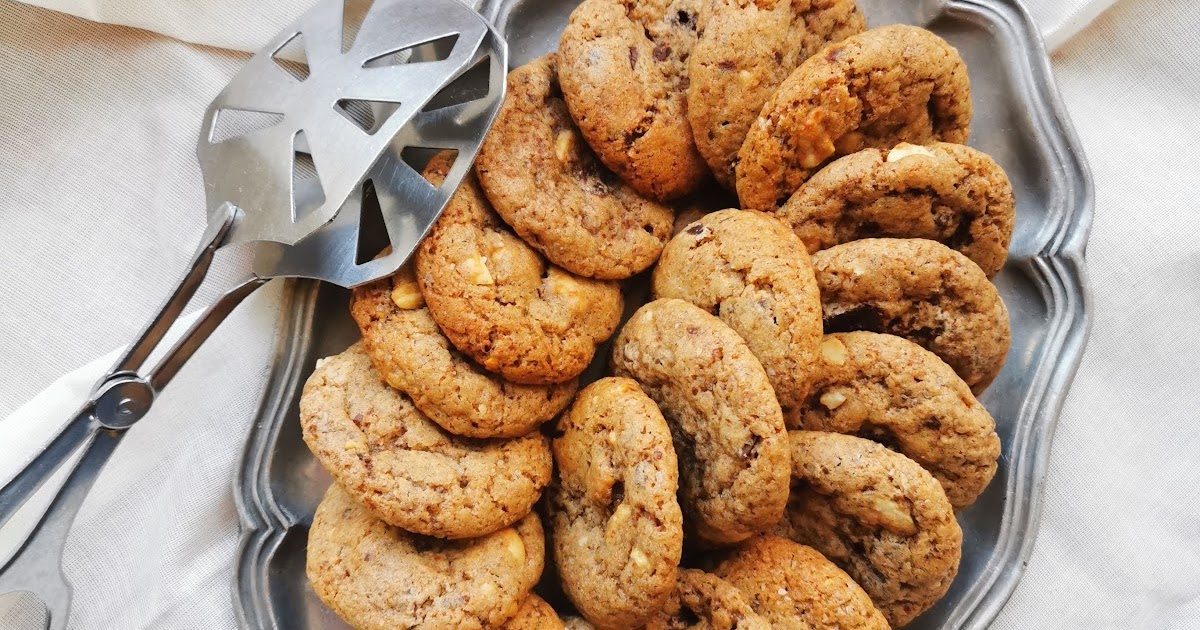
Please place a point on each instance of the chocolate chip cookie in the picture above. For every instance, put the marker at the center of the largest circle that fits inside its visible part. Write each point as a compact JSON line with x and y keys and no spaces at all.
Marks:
{"x":535,"y":614}
{"x":942,"y":192}
{"x":617,"y":527}
{"x":920,"y":290}
{"x":407,"y":470}
{"x":500,"y":302}
{"x":622,"y":65}
{"x":877,"y":89}
{"x":752,"y":272}
{"x":413,"y":355}
{"x":743,"y":52}
{"x":703,"y":601}
{"x":890,"y":390}
{"x":878,"y":515}
{"x":794,"y":587}
{"x":379,"y":577}
{"x":545,"y":182}
{"x":725,"y":422}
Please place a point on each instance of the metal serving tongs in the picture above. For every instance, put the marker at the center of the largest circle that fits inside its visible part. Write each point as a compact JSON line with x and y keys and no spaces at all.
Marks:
{"x":309,"y":158}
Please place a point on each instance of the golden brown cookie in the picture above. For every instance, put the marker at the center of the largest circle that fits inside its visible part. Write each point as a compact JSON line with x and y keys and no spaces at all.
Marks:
{"x":890,"y":390}
{"x":752,"y":272}
{"x":703,"y":601}
{"x":500,"y":302}
{"x":379,"y":577}
{"x":545,"y":182}
{"x":413,"y":355}
{"x":876,"y":514}
{"x":535,"y":614}
{"x":794,"y":587}
{"x":920,"y":290}
{"x":726,"y":424}
{"x":407,"y":470}
{"x":577,"y":623}
{"x":617,"y":528}
{"x":942,"y":192}
{"x":622,"y":65}
{"x":877,"y":89}
{"x":743,"y":52}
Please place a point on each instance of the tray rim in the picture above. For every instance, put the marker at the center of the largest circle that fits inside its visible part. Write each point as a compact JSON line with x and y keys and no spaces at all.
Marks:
{"x":1057,"y":267}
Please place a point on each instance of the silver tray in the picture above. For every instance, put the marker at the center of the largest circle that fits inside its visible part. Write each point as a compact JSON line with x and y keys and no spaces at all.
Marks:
{"x":1019,"y":120}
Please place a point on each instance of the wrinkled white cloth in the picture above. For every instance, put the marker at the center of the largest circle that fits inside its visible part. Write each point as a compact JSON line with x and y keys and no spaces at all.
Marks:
{"x":101,"y":206}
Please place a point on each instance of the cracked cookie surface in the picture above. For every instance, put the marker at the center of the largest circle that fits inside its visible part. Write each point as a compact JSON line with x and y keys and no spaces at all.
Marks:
{"x":535,"y":614}
{"x":703,"y":601}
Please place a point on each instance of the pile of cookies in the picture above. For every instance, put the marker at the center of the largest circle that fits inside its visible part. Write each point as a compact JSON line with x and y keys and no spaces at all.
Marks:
{"x":786,"y":429}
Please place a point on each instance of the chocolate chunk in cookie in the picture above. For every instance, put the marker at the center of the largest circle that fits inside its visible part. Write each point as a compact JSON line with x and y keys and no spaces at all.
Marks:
{"x":920,"y":290}
{"x":943,"y":192}
{"x":616,"y":524}
{"x":726,"y":424}
{"x":703,"y":601}
{"x":545,"y":182}
{"x":877,"y":89}
{"x":379,"y":577}
{"x":878,"y":515}
{"x":535,"y":614}
{"x":407,"y":470}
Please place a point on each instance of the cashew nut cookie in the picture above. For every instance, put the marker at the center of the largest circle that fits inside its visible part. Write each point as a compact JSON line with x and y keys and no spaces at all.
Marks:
{"x":407,"y":470}
{"x":500,"y":302}
{"x":873,"y":90}
{"x":703,"y":601}
{"x":725,"y":422}
{"x":876,"y":514}
{"x":545,"y":182}
{"x":751,"y":271}
{"x":890,"y":390}
{"x":413,"y":355}
{"x":622,"y":65}
{"x":920,"y":290}
{"x":617,"y":527}
{"x":379,"y":577}
{"x":535,"y":614}
{"x":794,"y":587}
{"x":943,"y":192}
{"x":744,"y":50}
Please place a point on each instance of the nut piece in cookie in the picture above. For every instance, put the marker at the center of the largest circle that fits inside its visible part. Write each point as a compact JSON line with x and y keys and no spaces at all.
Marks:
{"x":703,"y":601}
{"x":535,"y":614}
{"x":407,"y":470}
{"x":943,"y":192}
{"x":622,"y":65}
{"x":744,"y":51}
{"x":920,"y":290}
{"x":379,"y":577}
{"x":876,"y":514}
{"x":500,"y":302}
{"x":939,"y":424}
{"x":752,"y":272}
{"x":794,"y":587}
{"x":577,"y":623}
{"x":544,"y":181}
{"x":726,"y":424}
{"x":877,"y":89}
{"x":617,"y":528}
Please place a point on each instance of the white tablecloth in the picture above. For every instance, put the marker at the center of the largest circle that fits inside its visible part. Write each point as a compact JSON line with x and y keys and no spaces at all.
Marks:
{"x":100,"y":209}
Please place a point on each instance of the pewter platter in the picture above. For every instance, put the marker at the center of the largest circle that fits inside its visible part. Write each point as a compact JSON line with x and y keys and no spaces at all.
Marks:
{"x":1019,"y":120}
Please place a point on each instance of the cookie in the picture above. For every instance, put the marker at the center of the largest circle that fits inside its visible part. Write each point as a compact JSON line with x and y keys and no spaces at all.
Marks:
{"x":413,"y":355}
{"x":725,"y":422}
{"x":752,"y":272}
{"x":876,"y":89}
{"x":794,"y":587}
{"x":407,"y":470}
{"x":500,"y":302}
{"x":876,"y":514}
{"x":617,"y":527}
{"x":622,"y":65}
{"x":577,"y":623}
{"x":743,"y":52}
{"x":703,"y":601}
{"x":545,"y":182}
{"x":942,"y":192}
{"x":920,"y":290}
{"x":890,"y":390}
{"x":379,"y":577}
{"x":535,"y":614}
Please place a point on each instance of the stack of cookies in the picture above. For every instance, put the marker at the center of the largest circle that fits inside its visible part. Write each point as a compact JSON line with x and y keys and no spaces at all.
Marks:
{"x":788,"y":426}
